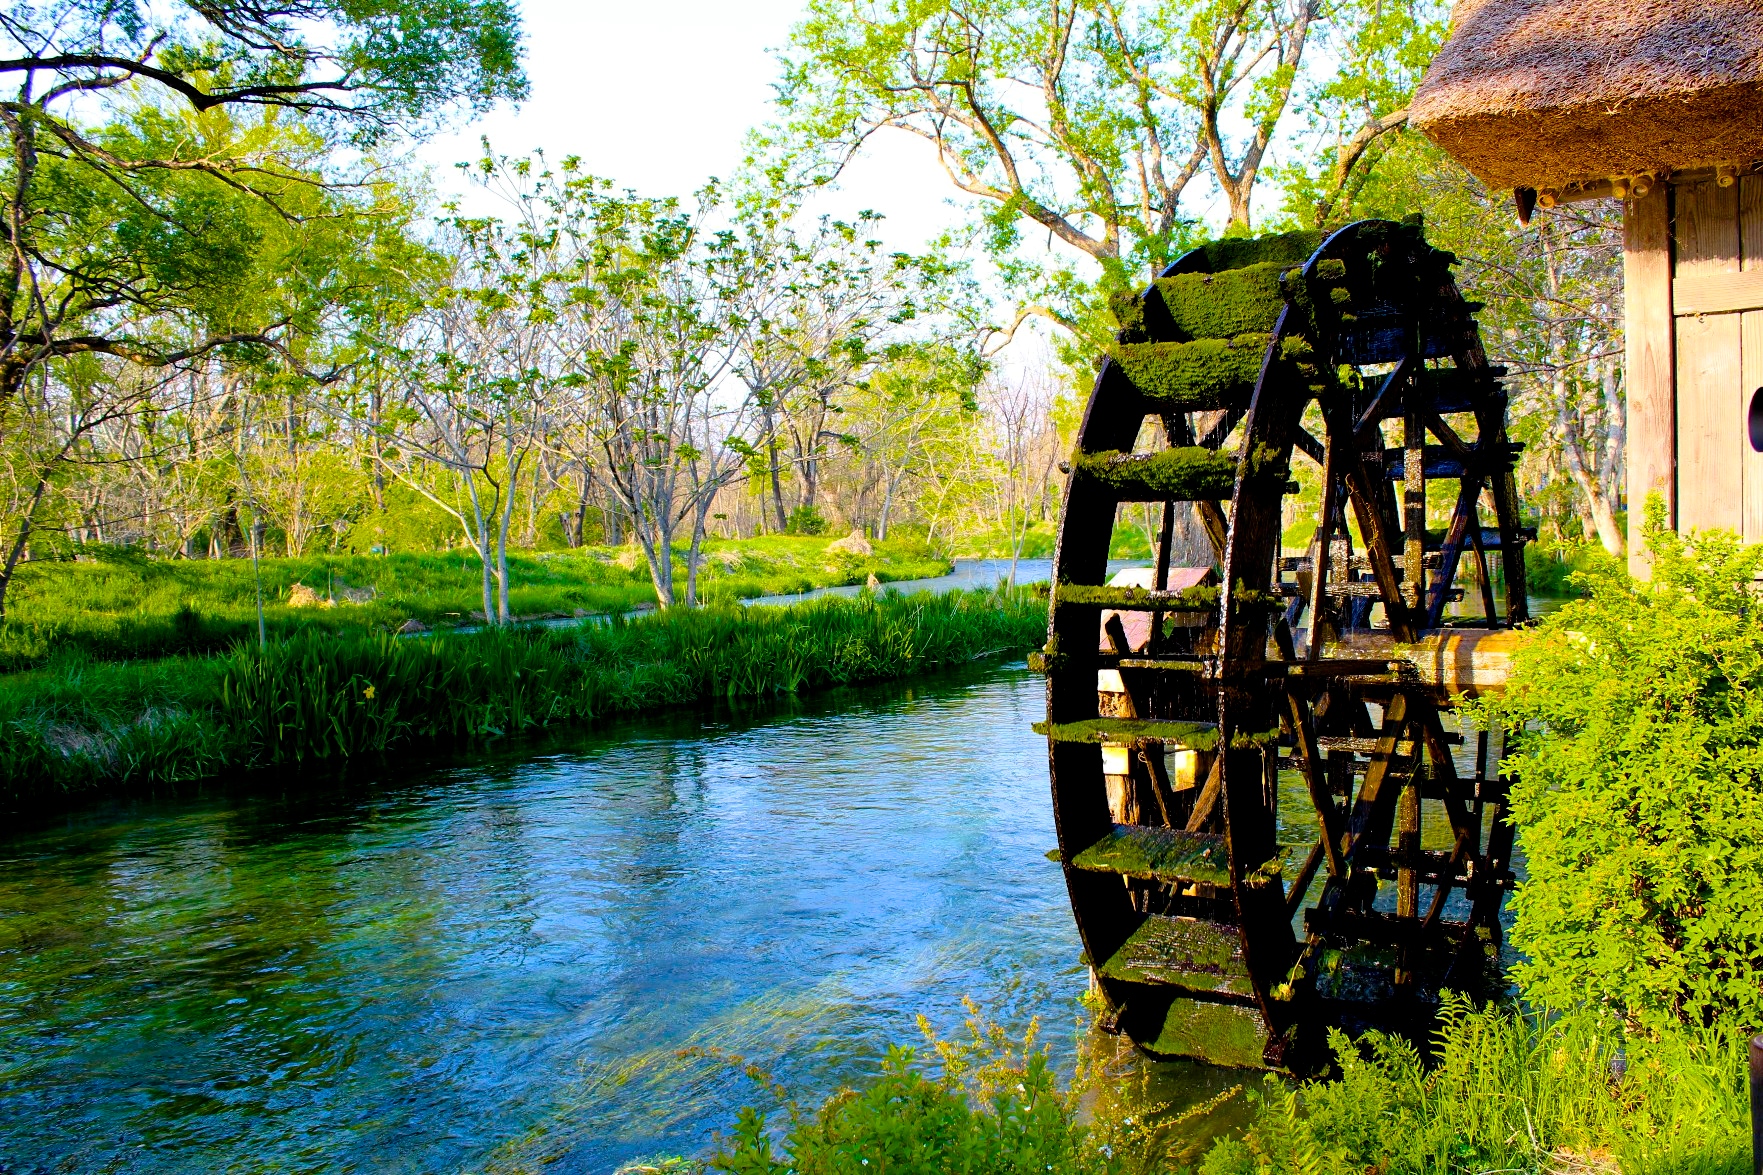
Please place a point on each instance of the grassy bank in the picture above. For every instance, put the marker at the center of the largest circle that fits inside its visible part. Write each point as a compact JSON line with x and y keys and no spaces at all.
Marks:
{"x":79,"y":725}
{"x":120,"y":604}
{"x":1509,"y":1093}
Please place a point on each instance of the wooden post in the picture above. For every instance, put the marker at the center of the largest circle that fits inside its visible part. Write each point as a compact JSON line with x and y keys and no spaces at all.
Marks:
{"x":1757,"y":1104}
{"x":1652,"y":417}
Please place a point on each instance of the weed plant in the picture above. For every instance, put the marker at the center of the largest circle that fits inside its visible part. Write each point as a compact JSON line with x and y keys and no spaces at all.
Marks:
{"x":1506,"y":1092}
{"x":121,"y":604}
{"x":77,"y":725}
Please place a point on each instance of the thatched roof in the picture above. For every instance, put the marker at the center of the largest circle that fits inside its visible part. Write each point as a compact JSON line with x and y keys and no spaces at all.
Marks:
{"x":1546,"y":93}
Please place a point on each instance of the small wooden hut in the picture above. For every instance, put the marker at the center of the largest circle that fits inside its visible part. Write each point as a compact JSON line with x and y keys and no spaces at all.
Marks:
{"x":1658,"y":103}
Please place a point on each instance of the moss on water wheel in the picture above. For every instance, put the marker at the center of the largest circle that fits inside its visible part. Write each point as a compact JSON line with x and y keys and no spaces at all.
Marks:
{"x":1169,"y":739}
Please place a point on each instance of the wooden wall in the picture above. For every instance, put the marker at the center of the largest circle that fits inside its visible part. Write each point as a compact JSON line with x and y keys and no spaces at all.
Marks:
{"x":1717,"y":305}
{"x":1694,"y":287}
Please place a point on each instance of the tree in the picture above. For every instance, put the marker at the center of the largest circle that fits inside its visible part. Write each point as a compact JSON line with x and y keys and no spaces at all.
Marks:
{"x":164,"y":193}
{"x":1089,"y":120}
{"x":817,"y":308}
{"x":918,"y":404}
{"x":128,"y":236}
{"x":476,"y":363}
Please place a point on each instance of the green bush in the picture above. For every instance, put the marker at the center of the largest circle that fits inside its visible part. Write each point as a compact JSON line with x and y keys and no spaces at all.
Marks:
{"x":1511,"y":1093}
{"x":1638,"y":790}
{"x":805,"y":520}
{"x":1550,"y":568}
{"x":989,"y":1107}
{"x":1504,"y":1092}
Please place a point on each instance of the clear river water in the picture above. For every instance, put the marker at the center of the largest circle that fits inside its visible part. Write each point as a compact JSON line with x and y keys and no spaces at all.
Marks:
{"x":502,"y":962}
{"x":494,"y":962}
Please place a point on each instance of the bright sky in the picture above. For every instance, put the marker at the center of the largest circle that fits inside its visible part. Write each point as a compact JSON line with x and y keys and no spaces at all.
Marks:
{"x":658,"y":96}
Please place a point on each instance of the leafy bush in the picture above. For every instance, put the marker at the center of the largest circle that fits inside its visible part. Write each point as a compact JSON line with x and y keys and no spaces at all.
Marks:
{"x":805,"y":520}
{"x":990,"y":1107}
{"x":1639,"y":790}
{"x":1550,"y":568}
{"x":1505,"y":1091}
{"x":1509,"y":1092}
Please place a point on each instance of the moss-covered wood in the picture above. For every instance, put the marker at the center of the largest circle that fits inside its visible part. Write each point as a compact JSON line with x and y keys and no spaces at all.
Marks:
{"x":1224,"y":305}
{"x":1189,"y":473}
{"x":1200,"y":956}
{"x":1284,"y":249}
{"x":1138,"y":599}
{"x":1200,"y":375}
{"x":1158,"y":854}
{"x":1225,"y":1034}
{"x":1194,"y":736}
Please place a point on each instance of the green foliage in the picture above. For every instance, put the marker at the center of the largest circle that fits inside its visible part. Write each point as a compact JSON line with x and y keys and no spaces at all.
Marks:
{"x":806,"y":520}
{"x":1551,"y":569}
{"x":1508,"y":1092}
{"x":119,"y":603}
{"x":989,"y":1106}
{"x":1638,"y":789}
{"x":77,"y":726}
{"x":1502,"y":1091}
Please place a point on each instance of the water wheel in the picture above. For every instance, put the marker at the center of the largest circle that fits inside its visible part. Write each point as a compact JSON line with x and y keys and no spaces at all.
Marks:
{"x":1182,"y":701}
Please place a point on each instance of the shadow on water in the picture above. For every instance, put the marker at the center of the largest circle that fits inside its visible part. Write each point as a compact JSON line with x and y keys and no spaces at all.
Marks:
{"x":494,"y":961}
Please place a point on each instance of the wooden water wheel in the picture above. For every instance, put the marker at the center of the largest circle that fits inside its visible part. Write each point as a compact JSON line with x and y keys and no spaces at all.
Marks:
{"x":1180,"y":700}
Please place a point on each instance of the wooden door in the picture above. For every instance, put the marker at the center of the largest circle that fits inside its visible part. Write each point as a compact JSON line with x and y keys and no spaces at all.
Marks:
{"x":1717,"y":312}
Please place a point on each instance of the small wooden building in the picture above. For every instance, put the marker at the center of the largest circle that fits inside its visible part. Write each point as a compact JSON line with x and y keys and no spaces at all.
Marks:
{"x":1658,"y":103}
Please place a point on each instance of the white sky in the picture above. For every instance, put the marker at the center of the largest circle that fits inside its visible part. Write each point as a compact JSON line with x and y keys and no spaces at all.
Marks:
{"x":658,"y":96}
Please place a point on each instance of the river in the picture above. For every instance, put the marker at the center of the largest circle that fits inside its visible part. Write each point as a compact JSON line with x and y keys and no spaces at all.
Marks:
{"x":491,"y":962}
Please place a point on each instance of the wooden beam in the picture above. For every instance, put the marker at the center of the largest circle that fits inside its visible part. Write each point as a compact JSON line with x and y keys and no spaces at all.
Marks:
{"x":1718,"y":293}
{"x":1652,"y":418}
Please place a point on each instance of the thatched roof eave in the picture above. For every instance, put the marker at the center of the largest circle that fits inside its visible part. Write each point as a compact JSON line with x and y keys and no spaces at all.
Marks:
{"x":1547,"y":93}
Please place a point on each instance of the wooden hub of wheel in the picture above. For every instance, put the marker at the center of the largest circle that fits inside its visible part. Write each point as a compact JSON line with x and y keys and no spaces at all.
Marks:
{"x":1183,"y":701}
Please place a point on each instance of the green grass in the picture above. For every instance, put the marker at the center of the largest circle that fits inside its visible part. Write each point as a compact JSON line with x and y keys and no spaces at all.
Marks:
{"x":1506,"y":1092}
{"x":77,"y":725}
{"x":124,"y":605}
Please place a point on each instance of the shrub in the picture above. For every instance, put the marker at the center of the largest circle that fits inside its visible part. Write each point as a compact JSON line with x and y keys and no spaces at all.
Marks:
{"x":990,"y":1107}
{"x":806,"y":520}
{"x":1509,"y":1092}
{"x":1638,"y":790}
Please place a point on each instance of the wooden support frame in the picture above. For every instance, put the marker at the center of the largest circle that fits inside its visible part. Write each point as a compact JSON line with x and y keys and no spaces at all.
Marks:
{"x":1651,"y":363}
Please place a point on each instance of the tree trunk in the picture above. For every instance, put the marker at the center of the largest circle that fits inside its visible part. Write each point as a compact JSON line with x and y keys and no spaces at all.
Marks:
{"x":21,"y":542}
{"x":777,"y":485}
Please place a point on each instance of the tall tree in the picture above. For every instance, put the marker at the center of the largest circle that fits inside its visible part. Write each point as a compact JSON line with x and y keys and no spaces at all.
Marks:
{"x":1088,"y":120}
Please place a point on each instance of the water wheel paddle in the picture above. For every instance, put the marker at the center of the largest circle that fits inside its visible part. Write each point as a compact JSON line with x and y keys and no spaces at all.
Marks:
{"x":1176,"y":698}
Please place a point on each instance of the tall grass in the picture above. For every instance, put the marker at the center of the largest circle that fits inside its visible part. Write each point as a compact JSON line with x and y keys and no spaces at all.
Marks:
{"x":76,"y":725}
{"x":1507,"y":1093}
{"x":121,"y":604}
{"x":1512,"y":1092}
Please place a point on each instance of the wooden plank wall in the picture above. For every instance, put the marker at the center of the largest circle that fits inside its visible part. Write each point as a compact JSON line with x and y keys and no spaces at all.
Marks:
{"x":1710,"y":412}
{"x":1652,"y":421}
{"x":1751,"y":346}
{"x":1718,"y":238}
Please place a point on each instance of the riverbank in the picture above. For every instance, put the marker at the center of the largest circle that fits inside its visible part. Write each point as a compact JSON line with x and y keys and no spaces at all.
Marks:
{"x":1507,"y":1091}
{"x":79,"y":726}
{"x":121,"y":604}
